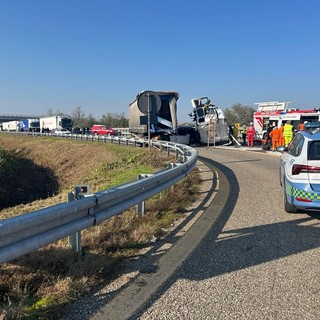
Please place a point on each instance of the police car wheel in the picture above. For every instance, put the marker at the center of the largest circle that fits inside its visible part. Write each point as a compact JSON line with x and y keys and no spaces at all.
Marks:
{"x":288,"y":207}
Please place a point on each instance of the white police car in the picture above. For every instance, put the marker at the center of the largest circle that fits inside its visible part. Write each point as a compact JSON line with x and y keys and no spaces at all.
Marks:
{"x":300,"y":170}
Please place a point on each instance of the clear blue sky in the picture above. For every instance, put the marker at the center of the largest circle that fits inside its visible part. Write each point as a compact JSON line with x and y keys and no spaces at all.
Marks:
{"x":98,"y":54}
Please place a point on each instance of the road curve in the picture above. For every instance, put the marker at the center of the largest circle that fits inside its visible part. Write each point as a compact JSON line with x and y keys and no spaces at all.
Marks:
{"x":243,"y":258}
{"x":256,"y":262}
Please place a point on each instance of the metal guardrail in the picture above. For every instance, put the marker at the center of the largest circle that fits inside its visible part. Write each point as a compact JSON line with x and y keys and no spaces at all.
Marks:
{"x":23,"y":234}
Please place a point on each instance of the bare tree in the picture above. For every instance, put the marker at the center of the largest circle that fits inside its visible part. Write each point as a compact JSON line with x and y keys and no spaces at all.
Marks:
{"x":51,"y":112}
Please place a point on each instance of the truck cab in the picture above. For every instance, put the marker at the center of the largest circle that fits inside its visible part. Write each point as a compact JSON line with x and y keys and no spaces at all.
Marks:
{"x":210,"y":121}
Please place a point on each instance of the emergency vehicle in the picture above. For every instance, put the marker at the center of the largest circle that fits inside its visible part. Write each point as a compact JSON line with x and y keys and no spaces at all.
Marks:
{"x":275,"y":113}
{"x":299,"y":170}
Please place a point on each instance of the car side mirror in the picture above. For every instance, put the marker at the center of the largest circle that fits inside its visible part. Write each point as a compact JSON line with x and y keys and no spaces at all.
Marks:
{"x":281,"y":148}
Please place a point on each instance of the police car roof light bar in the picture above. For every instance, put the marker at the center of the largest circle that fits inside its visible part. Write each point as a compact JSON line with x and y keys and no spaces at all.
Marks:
{"x":312,"y":125}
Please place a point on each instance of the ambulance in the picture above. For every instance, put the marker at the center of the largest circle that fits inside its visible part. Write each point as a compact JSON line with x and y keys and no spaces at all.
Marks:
{"x":275,"y":113}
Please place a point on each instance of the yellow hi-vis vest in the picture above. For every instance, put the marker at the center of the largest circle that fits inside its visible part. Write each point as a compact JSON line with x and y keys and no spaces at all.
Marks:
{"x":287,"y":129}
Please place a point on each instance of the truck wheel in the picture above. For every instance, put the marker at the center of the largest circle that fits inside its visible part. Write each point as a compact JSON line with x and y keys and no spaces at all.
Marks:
{"x":194,"y":138}
{"x":288,"y":207}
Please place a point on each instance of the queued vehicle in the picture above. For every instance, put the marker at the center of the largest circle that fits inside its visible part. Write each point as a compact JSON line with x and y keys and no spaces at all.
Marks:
{"x":52,"y":123}
{"x":300,"y":170}
{"x":61,"y":132}
{"x":99,"y":129}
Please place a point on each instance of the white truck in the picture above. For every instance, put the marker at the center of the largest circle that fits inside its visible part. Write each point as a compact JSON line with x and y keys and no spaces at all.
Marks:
{"x":10,"y":125}
{"x":210,"y":122}
{"x":29,"y":125}
{"x":50,"y":124}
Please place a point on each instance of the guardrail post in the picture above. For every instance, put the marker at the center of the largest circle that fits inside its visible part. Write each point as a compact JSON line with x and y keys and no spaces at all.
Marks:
{"x":171,"y":166}
{"x":141,"y":205}
{"x":74,"y":240}
{"x":177,"y":154}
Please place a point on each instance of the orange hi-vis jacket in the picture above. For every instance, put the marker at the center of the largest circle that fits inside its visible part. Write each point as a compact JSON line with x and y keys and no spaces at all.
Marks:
{"x":301,"y":126}
{"x":275,"y":135}
{"x":281,"y":132}
{"x":281,"y":140}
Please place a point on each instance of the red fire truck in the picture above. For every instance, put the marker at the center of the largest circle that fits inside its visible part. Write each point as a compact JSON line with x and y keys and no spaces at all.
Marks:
{"x":274,"y":113}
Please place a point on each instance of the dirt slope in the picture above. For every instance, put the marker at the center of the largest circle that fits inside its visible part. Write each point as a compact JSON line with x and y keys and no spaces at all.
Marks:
{"x":42,"y":167}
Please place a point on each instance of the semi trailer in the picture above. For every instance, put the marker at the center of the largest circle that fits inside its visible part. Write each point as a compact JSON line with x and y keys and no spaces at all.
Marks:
{"x":154,"y":113}
{"x":49,"y":124}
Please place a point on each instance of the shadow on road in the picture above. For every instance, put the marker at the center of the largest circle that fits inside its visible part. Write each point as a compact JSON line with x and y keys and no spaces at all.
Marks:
{"x":220,"y":252}
{"x":242,"y":248}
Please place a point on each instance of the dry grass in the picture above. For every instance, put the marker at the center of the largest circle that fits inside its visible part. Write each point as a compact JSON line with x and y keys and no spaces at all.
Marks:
{"x":41,"y":284}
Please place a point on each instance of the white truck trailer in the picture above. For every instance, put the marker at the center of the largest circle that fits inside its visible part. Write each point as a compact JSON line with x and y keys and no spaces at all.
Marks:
{"x":154,"y":109}
{"x":10,"y":125}
{"x":49,"y":124}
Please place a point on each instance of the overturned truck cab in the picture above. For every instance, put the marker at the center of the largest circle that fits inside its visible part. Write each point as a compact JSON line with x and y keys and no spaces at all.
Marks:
{"x":210,"y":122}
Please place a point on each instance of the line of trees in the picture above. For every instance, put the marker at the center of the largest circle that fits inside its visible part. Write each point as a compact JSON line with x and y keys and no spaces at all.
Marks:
{"x":239,"y":113}
{"x":81,"y":120}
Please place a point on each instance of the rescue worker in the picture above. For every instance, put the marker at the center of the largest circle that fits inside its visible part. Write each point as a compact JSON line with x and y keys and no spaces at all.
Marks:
{"x":236,"y":130}
{"x":250,"y":134}
{"x":231,"y":134}
{"x":244,"y":134}
{"x":274,"y":135}
{"x":269,"y":130}
{"x":281,"y":137}
{"x":287,"y":133}
{"x":301,"y":126}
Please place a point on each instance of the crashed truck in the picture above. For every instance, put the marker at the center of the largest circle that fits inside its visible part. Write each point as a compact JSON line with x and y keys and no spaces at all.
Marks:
{"x":210,"y":122}
{"x":158,"y":110}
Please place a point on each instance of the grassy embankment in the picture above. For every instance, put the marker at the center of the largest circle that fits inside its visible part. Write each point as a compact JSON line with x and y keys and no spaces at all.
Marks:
{"x":37,"y":172}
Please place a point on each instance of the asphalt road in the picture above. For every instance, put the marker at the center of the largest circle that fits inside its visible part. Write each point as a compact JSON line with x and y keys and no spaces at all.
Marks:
{"x":257,"y":262}
{"x":244,"y":258}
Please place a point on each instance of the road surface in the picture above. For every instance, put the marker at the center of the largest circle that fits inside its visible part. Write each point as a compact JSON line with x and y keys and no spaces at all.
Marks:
{"x":244,"y":258}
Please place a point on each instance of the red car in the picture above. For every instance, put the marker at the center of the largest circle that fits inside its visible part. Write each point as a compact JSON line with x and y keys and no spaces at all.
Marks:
{"x":99,"y":129}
